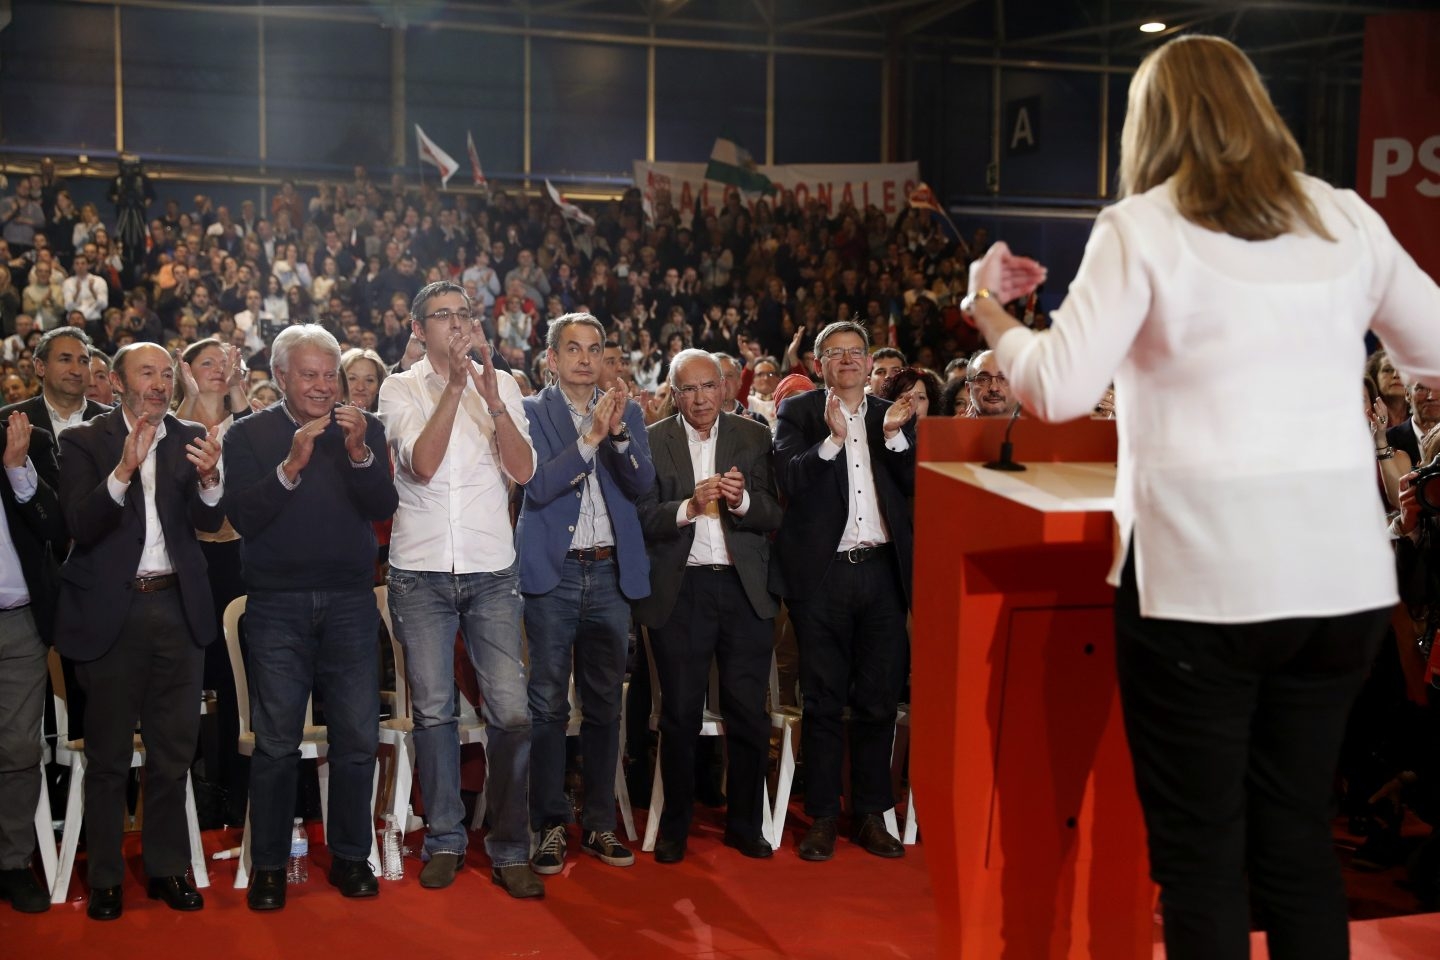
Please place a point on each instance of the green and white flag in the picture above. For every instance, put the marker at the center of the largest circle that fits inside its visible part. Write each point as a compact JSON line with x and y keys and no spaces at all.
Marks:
{"x":732,"y":164}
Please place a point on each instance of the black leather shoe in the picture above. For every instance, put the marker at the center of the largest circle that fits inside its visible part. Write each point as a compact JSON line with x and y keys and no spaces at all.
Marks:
{"x":177,"y":893}
{"x":669,"y":851}
{"x":753,"y":847}
{"x":354,"y":878}
{"x":819,"y":841}
{"x":23,"y":891}
{"x":872,"y":837}
{"x":267,"y":890}
{"x":104,"y":904}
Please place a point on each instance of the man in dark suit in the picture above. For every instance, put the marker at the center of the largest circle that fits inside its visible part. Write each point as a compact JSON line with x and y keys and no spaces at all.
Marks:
{"x":845,"y":463}
{"x":1424,"y":415}
{"x":707,"y":523}
{"x":30,"y":538}
{"x":62,"y":361}
{"x":582,"y":558}
{"x":135,"y":611}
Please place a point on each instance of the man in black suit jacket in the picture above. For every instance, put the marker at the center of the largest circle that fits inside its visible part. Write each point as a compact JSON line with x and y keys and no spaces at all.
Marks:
{"x":62,"y":361}
{"x":845,"y":462}
{"x":30,"y":537}
{"x":135,"y":611}
{"x":707,"y":524}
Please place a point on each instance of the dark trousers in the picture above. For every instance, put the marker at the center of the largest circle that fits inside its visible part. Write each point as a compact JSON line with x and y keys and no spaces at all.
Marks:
{"x":1234,"y":730}
{"x":713,"y":620}
{"x":852,"y":643}
{"x":150,"y":675}
{"x":300,"y":640}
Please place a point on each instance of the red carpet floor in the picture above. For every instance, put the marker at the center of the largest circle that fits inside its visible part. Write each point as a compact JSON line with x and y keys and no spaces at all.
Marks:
{"x":716,"y":905}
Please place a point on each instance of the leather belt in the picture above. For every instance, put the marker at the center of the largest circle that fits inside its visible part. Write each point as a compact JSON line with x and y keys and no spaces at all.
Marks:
{"x":861,"y":554}
{"x":154,"y":584}
{"x":591,"y":554}
{"x":710,"y":567}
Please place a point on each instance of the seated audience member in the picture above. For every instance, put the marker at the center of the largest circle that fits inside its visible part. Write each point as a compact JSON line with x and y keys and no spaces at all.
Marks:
{"x":32,"y":535}
{"x":306,"y":478}
{"x":732,"y":379}
{"x":1424,"y":415}
{"x":886,"y":362}
{"x":762,"y":394}
{"x":922,"y":386}
{"x":135,"y":614}
{"x":988,"y":388}
{"x":707,"y":526}
{"x":362,"y":374}
{"x":262,"y":394}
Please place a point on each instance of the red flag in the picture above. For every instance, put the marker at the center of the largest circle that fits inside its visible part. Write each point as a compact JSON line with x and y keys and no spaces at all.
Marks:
{"x":475,"y":170}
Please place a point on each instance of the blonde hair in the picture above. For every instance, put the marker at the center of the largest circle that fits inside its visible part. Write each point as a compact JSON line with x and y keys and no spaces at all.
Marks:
{"x":1199,"y":116}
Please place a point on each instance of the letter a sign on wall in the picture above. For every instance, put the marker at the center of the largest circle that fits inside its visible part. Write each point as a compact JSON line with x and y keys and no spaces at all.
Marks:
{"x":1398,"y":161}
{"x":1022,"y":126}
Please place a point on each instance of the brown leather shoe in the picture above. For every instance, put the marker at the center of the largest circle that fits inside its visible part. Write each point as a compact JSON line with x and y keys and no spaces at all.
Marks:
{"x":819,"y":841}
{"x":519,"y":881}
{"x":440,"y":871}
{"x":871,"y":835}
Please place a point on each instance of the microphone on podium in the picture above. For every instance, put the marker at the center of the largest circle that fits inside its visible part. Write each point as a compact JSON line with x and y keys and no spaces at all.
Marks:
{"x":1007,"y":450}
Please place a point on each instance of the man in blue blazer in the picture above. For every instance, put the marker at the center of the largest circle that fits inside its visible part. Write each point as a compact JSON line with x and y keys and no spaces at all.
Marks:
{"x":582,"y":559}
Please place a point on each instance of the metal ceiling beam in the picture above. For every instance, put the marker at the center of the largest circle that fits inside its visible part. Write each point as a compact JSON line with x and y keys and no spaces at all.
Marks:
{"x":1304,"y":6}
{"x":670,"y":9}
{"x":923,"y":19}
{"x":561,"y":7}
{"x":766,"y":13}
{"x":1303,"y":44}
{"x":872,"y":10}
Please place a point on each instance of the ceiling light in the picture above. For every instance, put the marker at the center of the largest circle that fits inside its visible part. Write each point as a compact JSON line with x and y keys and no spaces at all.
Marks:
{"x":1154,"y":26}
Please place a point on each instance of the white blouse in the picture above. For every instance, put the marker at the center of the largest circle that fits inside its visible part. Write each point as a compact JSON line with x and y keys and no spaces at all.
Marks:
{"x":1246,"y":475}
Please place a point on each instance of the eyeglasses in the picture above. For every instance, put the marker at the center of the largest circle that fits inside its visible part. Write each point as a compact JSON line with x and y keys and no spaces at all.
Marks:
{"x":445,"y":316}
{"x":985,"y":380}
{"x":843,"y":353}
{"x":690,"y":390}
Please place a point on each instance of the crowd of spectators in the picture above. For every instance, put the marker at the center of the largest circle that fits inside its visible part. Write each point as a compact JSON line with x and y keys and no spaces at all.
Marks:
{"x":749,"y":281}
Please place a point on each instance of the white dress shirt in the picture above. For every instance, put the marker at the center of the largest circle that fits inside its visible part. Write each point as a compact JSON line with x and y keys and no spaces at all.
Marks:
{"x":89,"y":295}
{"x":458,"y":522}
{"x":13,"y":590}
{"x":709,"y":544}
{"x":1246,"y":473}
{"x":864,"y":524}
{"x":154,"y":558}
{"x":59,"y":424}
{"x":592,"y":528}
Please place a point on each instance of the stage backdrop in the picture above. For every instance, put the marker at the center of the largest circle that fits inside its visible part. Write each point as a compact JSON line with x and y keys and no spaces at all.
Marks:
{"x":885,"y":185}
{"x":1399,"y":155}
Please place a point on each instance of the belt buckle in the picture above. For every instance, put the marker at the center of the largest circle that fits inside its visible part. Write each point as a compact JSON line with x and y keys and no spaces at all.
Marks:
{"x":856,"y":554}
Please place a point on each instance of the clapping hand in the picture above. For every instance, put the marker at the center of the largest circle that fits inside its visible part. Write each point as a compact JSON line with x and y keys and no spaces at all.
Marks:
{"x":17,"y":440}
{"x":707,"y":491}
{"x":835,"y":419}
{"x":1379,"y":416}
{"x":136,"y":449}
{"x":899,"y":413}
{"x":732,"y":487}
{"x":1006,"y":275}
{"x":204,"y":452}
{"x":457,"y":357}
{"x":351,"y":421}
{"x":484,"y":378}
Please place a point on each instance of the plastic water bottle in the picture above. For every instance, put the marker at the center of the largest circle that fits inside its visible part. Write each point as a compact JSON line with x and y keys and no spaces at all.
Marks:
{"x":392,"y":865}
{"x":298,"y":870}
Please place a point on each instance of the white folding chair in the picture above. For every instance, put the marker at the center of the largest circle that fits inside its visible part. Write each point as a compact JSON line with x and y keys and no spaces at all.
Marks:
{"x":71,"y":753}
{"x":44,"y":821}
{"x":711,"y":725}
{"x":787,"y":721}
{"x":898,"y":755}
{"x":622,"y":789}
{"x":313,"y":745}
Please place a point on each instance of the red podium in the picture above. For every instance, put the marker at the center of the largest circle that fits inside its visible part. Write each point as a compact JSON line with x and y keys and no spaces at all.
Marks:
{"x":1032,"y":830}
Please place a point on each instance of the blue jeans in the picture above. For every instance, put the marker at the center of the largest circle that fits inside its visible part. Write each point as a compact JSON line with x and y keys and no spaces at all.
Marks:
{"x":427,"y":608}
{"x":299,"y":640}
{"x":587,"y":617}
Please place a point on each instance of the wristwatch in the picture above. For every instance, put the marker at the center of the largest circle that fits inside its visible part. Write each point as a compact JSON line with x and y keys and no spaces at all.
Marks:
{"x":623,"y":436}
{"x":967,"y":306}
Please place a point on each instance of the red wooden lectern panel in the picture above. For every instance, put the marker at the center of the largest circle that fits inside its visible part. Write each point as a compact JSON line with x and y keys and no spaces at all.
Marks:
{"x":1032,"y":830}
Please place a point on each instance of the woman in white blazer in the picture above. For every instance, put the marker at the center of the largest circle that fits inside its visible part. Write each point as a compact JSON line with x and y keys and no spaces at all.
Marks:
{"x":1254,"y":573}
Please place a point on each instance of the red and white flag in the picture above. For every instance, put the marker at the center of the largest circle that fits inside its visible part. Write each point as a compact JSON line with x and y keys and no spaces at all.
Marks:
{"x":431,"y":153}
{"x":475,"y":170}
{"x":568,"y":210}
